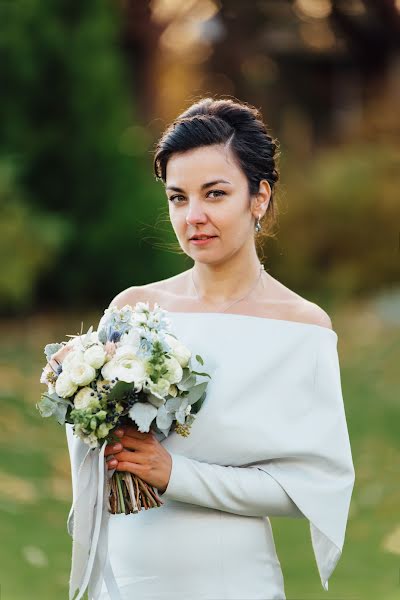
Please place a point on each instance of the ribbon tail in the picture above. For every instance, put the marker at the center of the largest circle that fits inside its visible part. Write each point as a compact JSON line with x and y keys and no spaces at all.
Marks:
{"x":82,"y":521}
{"x":89,"y":521}
{"x":102,"y":569}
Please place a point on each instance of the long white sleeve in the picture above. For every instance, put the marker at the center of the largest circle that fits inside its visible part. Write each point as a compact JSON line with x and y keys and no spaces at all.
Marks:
{"x":247,"y":491}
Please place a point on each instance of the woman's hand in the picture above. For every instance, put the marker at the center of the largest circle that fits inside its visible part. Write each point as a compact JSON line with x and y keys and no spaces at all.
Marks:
{"x":141,"y":454}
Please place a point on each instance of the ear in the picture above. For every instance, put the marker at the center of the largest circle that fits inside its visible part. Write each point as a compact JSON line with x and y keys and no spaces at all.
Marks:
{"x":260,"y":201}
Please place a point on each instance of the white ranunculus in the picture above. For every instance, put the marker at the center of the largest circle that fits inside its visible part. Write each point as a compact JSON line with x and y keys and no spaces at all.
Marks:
{"x":73,"y":357}
{"x":81,"y":373}
{"x":178,"y":350}
{"x":175,"y":372}
{"x":159,"y":389}
{"x":65,"y":387}
{"x":95,"y":356}
{"x":84,"y":398}
{"x":127,"y":350}
{"x":127,"y":366}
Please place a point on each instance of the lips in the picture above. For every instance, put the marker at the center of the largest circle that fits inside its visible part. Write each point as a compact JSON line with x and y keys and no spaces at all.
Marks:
{"x":201,"y":236}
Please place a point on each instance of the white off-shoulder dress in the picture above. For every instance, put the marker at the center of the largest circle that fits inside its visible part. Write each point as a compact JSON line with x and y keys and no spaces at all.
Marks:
{"x":271,"y":439}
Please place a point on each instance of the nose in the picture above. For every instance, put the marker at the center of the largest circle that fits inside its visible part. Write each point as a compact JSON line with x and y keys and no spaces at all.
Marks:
{"x":195,"y":214}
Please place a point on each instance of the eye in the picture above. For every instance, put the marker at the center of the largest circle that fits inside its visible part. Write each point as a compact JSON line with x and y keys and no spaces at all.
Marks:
{"x":219,"y":192}
{"x":172,"y":198}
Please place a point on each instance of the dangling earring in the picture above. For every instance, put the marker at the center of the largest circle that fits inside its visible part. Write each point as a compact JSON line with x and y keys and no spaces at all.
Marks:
{"x":258,"y":225}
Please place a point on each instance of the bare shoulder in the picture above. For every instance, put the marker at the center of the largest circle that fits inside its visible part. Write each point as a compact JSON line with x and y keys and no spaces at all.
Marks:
{"x":294,"y":307}
{"x":166,"y":292}
{"x":134,"y":294}
{"x":314,"y":315}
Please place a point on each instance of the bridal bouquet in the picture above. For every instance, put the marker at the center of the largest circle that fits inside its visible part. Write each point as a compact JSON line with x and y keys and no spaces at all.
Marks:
{"x":131,"y":368}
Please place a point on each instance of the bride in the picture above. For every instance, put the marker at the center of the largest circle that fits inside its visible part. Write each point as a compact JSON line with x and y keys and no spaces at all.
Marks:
{"x":271,"y":438}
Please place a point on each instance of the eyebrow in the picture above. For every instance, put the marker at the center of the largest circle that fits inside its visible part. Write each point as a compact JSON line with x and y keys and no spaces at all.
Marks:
{"x":203,"y":187}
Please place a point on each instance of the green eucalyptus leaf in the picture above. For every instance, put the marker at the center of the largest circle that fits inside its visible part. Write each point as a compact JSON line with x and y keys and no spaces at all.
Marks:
{"x":60,"y":412}
{"x":196,"y":407}
{"x":196,"y":392}
{"x":173,"y":404}
{"x":56,"y":398}
{"x":186,"y":384}
{"x":46,"y":406}
{"x":199,"y":359}
{"x":203,"y":374}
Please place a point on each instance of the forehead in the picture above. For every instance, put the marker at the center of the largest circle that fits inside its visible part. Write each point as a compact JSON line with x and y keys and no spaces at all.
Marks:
{"x":200,"y":164}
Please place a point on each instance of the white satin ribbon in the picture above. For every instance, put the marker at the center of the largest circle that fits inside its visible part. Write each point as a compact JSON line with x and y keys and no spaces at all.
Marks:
{"x":88,"y":524}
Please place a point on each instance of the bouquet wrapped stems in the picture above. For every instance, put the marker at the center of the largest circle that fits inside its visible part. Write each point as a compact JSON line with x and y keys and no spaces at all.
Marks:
{"x":129,"y":494}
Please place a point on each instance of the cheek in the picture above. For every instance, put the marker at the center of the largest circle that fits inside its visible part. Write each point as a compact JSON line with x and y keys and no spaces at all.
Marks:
{"x":177,"y":221}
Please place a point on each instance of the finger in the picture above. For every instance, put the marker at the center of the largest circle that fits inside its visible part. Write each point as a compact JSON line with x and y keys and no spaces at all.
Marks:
{"x":112,"y":448}
{"x":118,"y":432}
{"x":111,"y":464}
{"x":133,"y":443}
{"x":129,"y":467}
{"x":132,"y":457}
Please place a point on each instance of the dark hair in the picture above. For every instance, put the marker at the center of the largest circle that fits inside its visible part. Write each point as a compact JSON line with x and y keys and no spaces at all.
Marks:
{"x":237,"y":124}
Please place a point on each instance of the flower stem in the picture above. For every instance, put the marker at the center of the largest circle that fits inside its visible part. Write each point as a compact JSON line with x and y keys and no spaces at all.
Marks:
{"x":120,"y":493}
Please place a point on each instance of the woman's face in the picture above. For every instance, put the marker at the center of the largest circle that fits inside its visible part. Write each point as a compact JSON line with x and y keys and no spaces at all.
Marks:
{"x":208,"y":194}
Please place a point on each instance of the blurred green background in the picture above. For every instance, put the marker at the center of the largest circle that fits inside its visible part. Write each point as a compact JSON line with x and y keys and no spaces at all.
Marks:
{"x":87,"y":88}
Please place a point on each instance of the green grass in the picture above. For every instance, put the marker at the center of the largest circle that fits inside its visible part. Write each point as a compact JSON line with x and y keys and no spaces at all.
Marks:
{"x":35,"y":489}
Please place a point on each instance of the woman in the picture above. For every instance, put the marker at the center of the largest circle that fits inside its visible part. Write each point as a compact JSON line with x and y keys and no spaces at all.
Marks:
{"x":271,"y":438}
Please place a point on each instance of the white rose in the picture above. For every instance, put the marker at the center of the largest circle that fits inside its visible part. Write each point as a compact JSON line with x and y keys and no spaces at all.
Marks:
{"x":84,"y":398}
{"x":175,"y":372}
{"x":95,"y":356}
{"x":159,"y":389}
{"x":179,"y":351}
{"x":81,"y":373}
{"x":127,"y":366}
{"x":65,"y":387}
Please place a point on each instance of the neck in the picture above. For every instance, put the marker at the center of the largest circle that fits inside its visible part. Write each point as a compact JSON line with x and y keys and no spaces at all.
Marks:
{"x":219,"y":283}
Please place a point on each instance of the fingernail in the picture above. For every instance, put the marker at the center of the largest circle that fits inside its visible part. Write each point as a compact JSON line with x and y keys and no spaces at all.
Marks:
{"x":119,"y":432}
{"x":117,"y":447}
{"x":113,"y":462}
